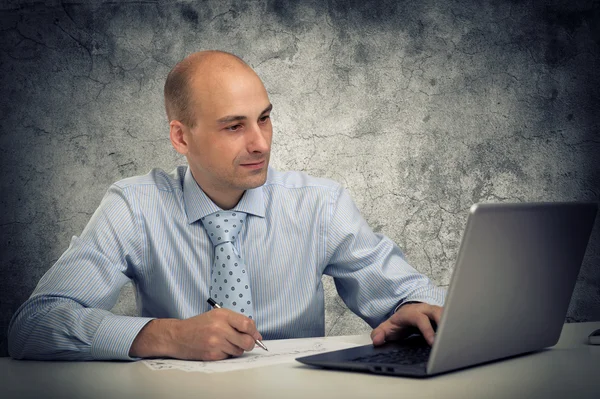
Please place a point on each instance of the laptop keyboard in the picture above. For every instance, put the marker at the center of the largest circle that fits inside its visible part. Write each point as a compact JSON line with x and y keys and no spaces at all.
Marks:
{"x":406,"y":356}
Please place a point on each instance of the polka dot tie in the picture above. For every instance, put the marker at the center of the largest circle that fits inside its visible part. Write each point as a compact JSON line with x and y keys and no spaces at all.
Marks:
{"x":229,"y":283}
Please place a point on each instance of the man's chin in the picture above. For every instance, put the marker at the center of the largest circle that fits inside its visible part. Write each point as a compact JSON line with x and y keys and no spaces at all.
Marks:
{"x":256,"y":179}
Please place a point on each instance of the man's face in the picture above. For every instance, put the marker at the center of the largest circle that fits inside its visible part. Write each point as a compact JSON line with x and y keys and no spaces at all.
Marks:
{"x":229,"y":145}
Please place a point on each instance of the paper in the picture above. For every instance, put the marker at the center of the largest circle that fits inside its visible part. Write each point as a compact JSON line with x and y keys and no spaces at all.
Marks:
{"x":280,"y":351}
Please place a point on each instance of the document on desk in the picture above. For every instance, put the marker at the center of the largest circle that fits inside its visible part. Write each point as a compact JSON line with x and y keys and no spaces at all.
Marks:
{"x":280,"y":351}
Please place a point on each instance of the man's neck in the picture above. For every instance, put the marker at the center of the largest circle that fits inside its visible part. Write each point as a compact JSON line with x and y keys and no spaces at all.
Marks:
{"x":225,"y":202}
{"x":224,"y":198}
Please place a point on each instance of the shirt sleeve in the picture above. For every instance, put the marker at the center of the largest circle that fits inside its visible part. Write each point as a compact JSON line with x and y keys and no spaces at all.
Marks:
{"x":67,"y":317}
{"x":369,"y":270}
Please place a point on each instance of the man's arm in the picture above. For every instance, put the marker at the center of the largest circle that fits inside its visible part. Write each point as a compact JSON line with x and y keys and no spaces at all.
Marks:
{"x":214,"y":335}
{"x":369,"y":270}
{"x":67,"y":316}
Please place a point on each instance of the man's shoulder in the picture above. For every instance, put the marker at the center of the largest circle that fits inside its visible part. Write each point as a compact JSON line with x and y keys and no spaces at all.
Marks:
{"x":155,"y":179}
{"x":299,"y":180}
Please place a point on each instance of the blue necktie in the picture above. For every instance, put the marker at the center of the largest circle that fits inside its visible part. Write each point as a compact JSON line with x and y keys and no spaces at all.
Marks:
{"x":229,"y":283}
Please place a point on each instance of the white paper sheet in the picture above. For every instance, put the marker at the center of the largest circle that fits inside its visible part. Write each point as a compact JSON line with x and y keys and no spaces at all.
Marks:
{"x":280,"y":351}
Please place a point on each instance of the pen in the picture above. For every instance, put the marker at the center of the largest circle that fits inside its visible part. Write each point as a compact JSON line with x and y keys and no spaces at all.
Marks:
{"x":216,"y":306}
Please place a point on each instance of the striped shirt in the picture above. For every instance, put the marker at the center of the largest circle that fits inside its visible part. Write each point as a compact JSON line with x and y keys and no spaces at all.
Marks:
{"x":147,"y":230}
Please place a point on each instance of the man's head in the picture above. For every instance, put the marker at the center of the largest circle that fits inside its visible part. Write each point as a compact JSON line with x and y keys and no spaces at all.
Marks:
{"x":219,"y":118}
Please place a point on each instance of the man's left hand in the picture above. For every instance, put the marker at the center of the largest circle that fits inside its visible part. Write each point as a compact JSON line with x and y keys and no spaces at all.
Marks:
{"x":404,"y":322}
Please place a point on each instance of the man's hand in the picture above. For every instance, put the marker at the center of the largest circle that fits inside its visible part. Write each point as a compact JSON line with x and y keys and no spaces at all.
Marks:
{"x":214,"y":335}
{"x":403,"y":323}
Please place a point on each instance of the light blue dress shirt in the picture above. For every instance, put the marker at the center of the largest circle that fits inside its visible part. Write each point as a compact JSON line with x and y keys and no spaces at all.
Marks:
{"x":147,"y":230}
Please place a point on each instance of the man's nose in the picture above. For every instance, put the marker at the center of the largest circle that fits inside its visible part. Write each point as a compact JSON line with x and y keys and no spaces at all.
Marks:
{"x":257,"y":140}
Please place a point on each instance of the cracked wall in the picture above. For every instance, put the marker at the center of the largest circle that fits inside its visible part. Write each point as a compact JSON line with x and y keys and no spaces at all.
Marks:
{"x":423,"y":107}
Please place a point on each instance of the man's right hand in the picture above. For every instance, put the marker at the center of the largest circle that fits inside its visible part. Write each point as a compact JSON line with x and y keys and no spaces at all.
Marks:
{"x":214,"y":335}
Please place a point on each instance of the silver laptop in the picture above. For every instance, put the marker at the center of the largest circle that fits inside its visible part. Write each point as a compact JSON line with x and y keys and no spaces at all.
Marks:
{"x":510,"y":290}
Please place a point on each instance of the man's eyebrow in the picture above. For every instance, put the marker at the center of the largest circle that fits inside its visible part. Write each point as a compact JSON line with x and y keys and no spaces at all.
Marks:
{"x":231,"y":118}
{"x":235,"y":118}
{"x":268,"y":109}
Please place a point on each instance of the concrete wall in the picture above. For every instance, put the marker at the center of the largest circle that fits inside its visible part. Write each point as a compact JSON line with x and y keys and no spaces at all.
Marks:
{"x":422,"y":107}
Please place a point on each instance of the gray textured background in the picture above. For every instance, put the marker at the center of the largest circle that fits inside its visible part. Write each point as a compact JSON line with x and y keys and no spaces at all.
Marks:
{"x":421,"y":107}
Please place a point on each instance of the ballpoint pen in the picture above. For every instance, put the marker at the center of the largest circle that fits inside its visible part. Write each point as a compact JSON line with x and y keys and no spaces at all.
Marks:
{"x":216,"y":306}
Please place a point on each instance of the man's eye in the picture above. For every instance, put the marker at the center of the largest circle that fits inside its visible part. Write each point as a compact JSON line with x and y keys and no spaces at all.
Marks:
{"x":264,"y":118}
{"x":234,"y":128}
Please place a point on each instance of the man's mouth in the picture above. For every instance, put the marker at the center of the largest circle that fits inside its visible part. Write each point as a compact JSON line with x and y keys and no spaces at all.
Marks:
{"x":253,"y":165}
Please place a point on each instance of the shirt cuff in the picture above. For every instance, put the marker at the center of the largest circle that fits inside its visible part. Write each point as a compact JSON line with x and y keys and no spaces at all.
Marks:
{"x":115,"y":335}
{"x":404,"y":303}
{"x":434,"y":296}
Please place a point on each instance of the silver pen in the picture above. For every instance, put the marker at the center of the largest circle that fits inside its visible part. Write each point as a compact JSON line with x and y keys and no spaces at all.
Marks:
{"x":216,"y":306}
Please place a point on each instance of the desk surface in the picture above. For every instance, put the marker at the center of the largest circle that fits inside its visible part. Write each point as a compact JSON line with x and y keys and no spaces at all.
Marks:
{"x":569,"y":369}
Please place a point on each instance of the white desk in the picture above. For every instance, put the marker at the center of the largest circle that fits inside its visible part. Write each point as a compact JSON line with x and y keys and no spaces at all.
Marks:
{"x":571,"y":369}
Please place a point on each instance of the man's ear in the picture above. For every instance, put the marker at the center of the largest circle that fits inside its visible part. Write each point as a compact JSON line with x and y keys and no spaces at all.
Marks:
{"x":178,"y":137}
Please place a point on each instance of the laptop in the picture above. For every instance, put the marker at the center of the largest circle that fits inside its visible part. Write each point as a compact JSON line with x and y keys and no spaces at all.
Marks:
{"x":509,"y":293}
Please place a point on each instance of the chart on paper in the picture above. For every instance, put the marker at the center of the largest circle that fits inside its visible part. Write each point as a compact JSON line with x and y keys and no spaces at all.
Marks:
{"x":280,"y":351}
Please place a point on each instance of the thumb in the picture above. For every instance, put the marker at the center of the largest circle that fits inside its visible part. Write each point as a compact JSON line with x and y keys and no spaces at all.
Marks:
{"x":378,"y":336}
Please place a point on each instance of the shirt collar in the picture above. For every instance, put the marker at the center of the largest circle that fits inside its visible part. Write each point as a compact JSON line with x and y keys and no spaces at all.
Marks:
{"x":197,"y":204}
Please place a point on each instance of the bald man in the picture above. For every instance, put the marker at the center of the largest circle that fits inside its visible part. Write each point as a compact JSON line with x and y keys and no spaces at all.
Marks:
{"x":156,"y":231}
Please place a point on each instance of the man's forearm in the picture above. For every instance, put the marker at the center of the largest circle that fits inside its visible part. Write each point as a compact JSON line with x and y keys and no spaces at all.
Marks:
{"x":155,"y":339}
{"x":55,"y":328}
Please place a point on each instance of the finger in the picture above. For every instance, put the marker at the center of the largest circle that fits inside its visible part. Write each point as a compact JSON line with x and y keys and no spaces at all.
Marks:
{"x":425,"y":327}
{"x":243,"y":332}
{"x":231,"y":342}
{"x":437,"y":315}
{"x":241,"y":340}
{"x":231,"y":349}
{"x":434,"y":313}
{"x":243,"y":324}
{"x":378,"y":335}
{"x":219,"y":348}
{"x":388,"y":331}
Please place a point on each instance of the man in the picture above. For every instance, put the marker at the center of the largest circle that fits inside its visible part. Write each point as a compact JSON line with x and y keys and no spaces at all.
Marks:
{"x":157,"y":230}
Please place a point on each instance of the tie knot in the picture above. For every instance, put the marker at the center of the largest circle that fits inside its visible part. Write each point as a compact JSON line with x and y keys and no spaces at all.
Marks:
{"x":223,"y":226}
